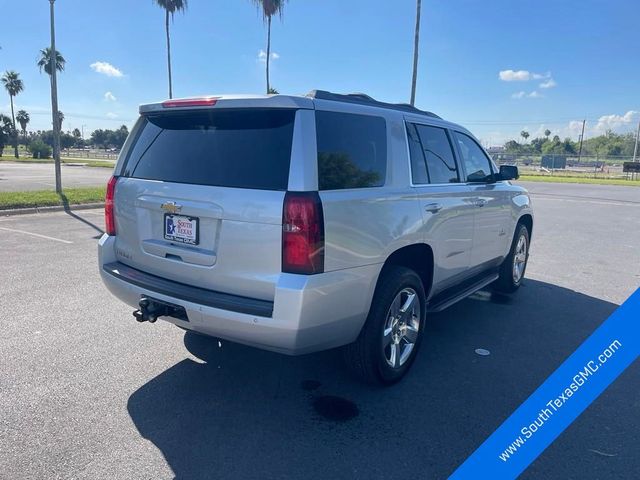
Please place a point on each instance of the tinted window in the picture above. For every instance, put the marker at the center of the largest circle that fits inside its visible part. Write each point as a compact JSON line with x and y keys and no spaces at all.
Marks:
{"x":432,"y":146}
{"x":352,"y":150}
{"x":476,"y":163}
{"x":228,"y":148}
{"x":418,"y":164}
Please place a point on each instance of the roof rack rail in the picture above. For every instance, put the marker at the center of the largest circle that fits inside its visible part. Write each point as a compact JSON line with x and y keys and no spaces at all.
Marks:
{"x":364,"y":99}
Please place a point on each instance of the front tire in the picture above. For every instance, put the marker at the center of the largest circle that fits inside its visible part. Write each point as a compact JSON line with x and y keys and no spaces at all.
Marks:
{"x":514,"y":265}
{"x":389,"y":340}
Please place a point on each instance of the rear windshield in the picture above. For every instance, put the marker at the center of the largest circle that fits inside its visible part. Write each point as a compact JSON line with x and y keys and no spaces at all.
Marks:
{"x":226,"y":148}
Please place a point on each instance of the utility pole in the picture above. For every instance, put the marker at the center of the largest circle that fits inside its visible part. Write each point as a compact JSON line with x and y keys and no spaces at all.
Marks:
{"x":635,"y":149}
{"x":581,"y":140}
{"x":416,"y":43}
{"x":54,"y":103}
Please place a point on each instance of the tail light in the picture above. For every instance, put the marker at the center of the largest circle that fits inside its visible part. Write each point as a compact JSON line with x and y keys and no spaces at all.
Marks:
{"x":302,"y":233}
{"x":191,"y":102}
{"x":109,"y":213}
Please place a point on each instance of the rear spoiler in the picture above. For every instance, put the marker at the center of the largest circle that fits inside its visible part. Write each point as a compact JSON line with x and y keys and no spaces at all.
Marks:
{"x":228,"y":101}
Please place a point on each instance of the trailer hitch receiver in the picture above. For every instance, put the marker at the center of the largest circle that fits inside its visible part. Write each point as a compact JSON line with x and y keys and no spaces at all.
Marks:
{"x":151,"y":309}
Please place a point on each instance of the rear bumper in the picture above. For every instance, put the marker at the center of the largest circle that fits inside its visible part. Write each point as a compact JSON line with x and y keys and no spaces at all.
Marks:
{"x":308,"y":313}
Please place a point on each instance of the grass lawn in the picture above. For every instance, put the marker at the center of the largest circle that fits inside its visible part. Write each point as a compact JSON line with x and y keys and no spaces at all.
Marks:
{"x":47,"y":198}
{"x":87,"y":161}
{"x":565,"y":179}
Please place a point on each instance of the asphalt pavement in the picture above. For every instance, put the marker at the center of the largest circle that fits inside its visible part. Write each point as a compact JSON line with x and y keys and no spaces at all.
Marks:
{"x":86,"y":392}
{"x":15,"y":177}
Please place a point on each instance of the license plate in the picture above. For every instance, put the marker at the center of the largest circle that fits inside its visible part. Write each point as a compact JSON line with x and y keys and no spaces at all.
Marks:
{"x":180,"y":228}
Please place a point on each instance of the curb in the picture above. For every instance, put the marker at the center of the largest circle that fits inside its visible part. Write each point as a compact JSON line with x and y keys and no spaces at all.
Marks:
{"x":58,"y":208}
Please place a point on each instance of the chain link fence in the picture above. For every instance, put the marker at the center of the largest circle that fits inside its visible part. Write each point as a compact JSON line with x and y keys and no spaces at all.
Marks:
{"x":592,"y":166}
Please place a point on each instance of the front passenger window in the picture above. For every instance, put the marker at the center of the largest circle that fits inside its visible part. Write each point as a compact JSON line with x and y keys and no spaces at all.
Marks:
{"x":476,"y":163}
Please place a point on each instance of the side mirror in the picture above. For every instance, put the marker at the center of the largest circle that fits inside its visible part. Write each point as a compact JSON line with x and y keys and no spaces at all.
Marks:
{"x":509,"y":172}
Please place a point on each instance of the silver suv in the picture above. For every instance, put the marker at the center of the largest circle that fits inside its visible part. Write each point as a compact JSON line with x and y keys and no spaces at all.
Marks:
{"x":303,"y":223}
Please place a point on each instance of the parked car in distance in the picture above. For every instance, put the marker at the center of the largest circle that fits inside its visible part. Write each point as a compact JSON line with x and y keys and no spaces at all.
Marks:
{"x":303,"y":223}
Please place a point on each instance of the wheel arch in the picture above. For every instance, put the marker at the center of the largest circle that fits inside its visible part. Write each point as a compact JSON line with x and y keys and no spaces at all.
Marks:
{"x":418,"y":257}
{"x":527,"y":221}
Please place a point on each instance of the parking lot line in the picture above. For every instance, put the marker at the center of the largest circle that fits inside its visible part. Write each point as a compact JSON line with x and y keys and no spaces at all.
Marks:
{"x":36,"y":235}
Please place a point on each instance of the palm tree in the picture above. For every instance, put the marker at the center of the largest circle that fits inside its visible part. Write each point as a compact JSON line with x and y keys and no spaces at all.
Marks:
{"x":60,"y":120}
{"x":13,"y":85}
{"x":269,"y":9}
{"x":547,"y":132}
{"x":170,"y":7}
{"x":44,"y":61}
{"x":23,"y":119}
{"x":524,"y":134}
{"x":416,"y":42}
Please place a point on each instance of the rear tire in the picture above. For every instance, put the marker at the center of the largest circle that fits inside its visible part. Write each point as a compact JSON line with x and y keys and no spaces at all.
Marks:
{"x":515,"y":264}
{"x":391,"y":336}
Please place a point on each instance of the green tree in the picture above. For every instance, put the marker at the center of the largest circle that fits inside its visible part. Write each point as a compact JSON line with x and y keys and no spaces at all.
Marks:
{"x":6,"y":129}
{"x":44,"y":61}
{"x":39,"y":149}
{"x":524,"y":134}
{"x":100,"y":138}
{"x":337,"y":171}
{"x":269,"y":9}
{"x":547,"y":132}
{"x":537,"y":143}
{"x":512,"y":146}
{"x":13,"y":85}
{"x":23,"y":118}
{"x":170,"y":8}
{"x":67,"y":141}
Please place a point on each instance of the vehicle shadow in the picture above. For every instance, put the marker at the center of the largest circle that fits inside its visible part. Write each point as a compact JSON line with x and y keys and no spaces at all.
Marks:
{"x":238,"y":412}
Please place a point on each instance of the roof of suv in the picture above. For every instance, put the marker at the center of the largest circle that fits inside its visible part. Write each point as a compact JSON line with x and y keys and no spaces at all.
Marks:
{"x":281,"y":101}
{"x":364,"y":99}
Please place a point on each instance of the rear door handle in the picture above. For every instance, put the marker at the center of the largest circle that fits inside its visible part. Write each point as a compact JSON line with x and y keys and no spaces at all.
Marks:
{"x":433,"y":207}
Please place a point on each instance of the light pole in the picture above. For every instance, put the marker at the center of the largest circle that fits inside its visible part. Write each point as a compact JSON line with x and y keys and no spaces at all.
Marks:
{"x":54,"y":103}
{"x":416,"y":44}
{"x":635,"y":149}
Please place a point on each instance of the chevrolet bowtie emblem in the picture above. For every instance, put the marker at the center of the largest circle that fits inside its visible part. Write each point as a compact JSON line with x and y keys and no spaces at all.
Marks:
{"x":171,"y":207}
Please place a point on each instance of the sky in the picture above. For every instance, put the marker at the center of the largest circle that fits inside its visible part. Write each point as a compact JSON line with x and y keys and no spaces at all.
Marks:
{"x":495,"y":67}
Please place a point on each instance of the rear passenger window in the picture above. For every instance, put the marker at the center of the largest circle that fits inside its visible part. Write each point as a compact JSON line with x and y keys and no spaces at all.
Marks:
{"x":352,"y":150}
{"x":432,"y":159}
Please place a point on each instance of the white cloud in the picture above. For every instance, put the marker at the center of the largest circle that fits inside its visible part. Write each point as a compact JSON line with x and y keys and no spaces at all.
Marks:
{"x":262,"y":56}
{"x":112,"y":115}
{"x":109,"y":97}
{"x":574,"y":128}
{"x":523,"y":94}
{"x":540,"y":76}
{"x":615,"y":122}
{"x":514,"y":75}
{"x":548,"y":84}
{"x":106,"y":69}
{"x":525,"y":76}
